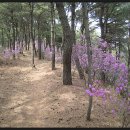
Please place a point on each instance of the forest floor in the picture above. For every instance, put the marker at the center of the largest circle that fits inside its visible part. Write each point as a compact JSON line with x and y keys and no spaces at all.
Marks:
{"x":37,"y":98}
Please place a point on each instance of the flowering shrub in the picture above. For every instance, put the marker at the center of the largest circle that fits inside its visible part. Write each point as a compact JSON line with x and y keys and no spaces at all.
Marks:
{"x":48,"y":54}
{"x":116,"y":74}
{"x":7,"y":53}
{"x":115,"y":71}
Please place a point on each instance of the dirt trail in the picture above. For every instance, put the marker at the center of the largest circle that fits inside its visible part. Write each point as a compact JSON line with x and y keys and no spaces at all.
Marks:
{"x":36,"y":98}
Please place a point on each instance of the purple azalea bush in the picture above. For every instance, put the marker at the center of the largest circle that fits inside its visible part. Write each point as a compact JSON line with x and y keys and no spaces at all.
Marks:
{"x":8,"y":53}
{"x":115,"y":71}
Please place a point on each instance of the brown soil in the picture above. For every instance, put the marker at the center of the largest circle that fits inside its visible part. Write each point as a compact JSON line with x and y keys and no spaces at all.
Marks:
{"x":36,"y":98}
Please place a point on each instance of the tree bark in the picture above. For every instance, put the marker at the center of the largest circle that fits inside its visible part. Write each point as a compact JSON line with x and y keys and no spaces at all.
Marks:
{"x":31,"y":31}
{"x":102,"y":27}
{"x":17,"y":32}
{"x":25,"y":34}
{"x":52,"y":35}
{"x":34,"y":37}
{"x":79,"y":68}
{"x":89,"y":53}
{"x":119,"y":49}
{"x":13,"y":28}
{"x":129,"y":58}
{"x":2,"y":37}
{"x":73,"y":21}
{"x":82,"y":30}
{"x":28,"y":37}
{"x":67,"y":44}
{"x":101,"y":20}
{"x":39,"y":40}
{"x":8,"y":37}
{"x":28,"y":42}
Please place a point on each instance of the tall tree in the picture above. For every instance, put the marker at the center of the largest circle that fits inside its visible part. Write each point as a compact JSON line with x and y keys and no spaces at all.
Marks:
{"x":129,"y":56}
{"x":89,"y":53}
{"x":39,"y":35}
{"x":31,"y":31}
{"x":2,"y":37}
{"x":79,"y":68}
{"x":73,"y":20}
{"x":39,"y":38}
{"x":52,"y":35}
{"x":13,"y":28}
{"x":67,"y":44}
{"x":101,"y":20}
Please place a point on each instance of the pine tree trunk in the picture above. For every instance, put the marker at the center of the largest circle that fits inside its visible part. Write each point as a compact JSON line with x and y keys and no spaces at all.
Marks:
{"x":8,"y":40}
{"x":73,"y":21}
{"x":119,"y":49}
{"x":39,"y":40}
{"x":28,"y":37}
{"x":26,"y":41}
{"x":129,"y":63}
{"x":13,"y":42}
{"x":129,"y":58}
{"x":80,"y":71}
{"x":67,"y":44}
{"x":25,"y":36}
{"x":34,"y":37}
{"x":9,"y":37}
{"x":102,"y":27}
{"x":31,"y":31}
{"x":13,"y":28}
{"x":52,"y":36}
{"x":101,"y":20}
{"x":89,"y":53}
{"x":2,"y":37}
{"x":17,"y":31}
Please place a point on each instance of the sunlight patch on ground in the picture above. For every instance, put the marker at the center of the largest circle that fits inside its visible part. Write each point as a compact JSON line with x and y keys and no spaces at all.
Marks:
{"x":69,"y":96}
{"x":36,"y":76}
{"x":16,"y":100}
